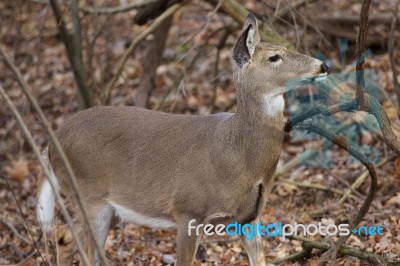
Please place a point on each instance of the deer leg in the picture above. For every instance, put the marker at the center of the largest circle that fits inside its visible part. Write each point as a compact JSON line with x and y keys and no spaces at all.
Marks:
{"x":254,"y":249}
{"x":101,"y":217}
{"x":103,"y":222}
{"x":65,"y":246}
{"x":186,"y":244}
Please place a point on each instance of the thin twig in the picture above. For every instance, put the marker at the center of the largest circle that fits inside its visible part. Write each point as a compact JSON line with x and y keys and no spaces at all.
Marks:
{"x":361,"y":180}
{"x":391,"y":45}
{"x":99,"y":27}
{"x":350,"y":106}
{"x":72,"y":43}
{"x":361,"y":95}
{"x":18,"y":27}
{"x":287,"y":8}
{"x":152,"y":59}
{"x":344,"y":250}
{"x":309,"y":185}
{"x":27,"y":256}
{"x":117,"y":9}
{"x":76,"y":27}
{"x":219,"y":47}
{"x":346,"y":184}
{"x":305,"y":252}
{"x":36,"y":151}
{"x":43,"y":16}
{"x":189,"y":67}
{"x":199,"y":32}
{"x":15,"y":231}
{"x":347,"y":106}
{"x":239,"y":14}
{"x":108,"y":10}
{"x":351,"y":149}
{"x":121,"y":63}
{"x":356,"y":184}
{"x":107,"y":66}
{"x":35,"y":244}
{"x":70,"y":173}
{"x":310,"y":153}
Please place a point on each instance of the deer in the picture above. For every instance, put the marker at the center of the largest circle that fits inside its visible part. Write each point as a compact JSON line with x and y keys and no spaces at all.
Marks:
{"x":164,"y":170}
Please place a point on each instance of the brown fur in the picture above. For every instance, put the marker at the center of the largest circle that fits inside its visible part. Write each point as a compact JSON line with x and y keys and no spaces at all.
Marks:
{"x":179,"y":167}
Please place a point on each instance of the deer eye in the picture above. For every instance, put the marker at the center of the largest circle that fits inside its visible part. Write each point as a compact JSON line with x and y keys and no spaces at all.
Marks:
{"x":274,"y":58}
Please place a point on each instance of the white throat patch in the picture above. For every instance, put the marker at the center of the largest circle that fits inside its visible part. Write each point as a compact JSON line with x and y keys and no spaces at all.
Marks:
{"x":273,"y":104}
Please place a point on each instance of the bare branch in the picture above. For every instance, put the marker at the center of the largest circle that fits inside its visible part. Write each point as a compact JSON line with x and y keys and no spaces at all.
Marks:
{"x":58,"y":147}
{"x":10,"y":226}
{"x":361,"y":43}
{"x":286,"y":8}
{"x":310,"y":185}
{"x":299,"y":122}
{"x":219,"y":47}
{"x":76,"y":28}
{"x":117,"y":9}
{"x":152,"y":59}
{"x":121,"y":63}
{"x":108,"y":10}
{"x":73,"y":47}
{"x":347,"y":106}
{"x":153,"y":10}
{"x":189,"y":67}
{"x":46,"y":172}
{"x":361,"y":180}
{"x":350,"y":106}
{"x":310,"y":127}
{"x":308,"y":245}
{"x":384,"y":123}
{"x":341,"y":142}
{"x":239,"y":14}
{"x":391,"y":44}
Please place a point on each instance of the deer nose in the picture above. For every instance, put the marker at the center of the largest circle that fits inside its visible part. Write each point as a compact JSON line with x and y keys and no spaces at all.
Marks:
{"x":324,"y":68}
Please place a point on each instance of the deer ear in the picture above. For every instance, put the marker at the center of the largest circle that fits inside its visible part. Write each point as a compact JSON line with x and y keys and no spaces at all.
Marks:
{"x":247,"y":42}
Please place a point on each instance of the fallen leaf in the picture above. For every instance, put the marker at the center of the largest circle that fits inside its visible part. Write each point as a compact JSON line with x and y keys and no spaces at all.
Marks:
{"x":236,"y":248}
{"x":168,"y":259}
{"x":18,"y":171}
{"x":393,"y":201}
{"x":390,"y":110}
{"x":384,"y":242}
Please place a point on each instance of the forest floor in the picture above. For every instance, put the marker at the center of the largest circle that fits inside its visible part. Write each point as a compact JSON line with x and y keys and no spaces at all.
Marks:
{"x":308,"y":193}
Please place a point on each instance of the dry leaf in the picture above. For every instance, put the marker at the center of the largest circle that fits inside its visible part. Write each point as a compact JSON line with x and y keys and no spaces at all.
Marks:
{"x":192,"y":102}
{"x":313,"y":262}
{"x":168,"y":259}
{"x":132,"y":70}
{"x":384,"y":242}
{"x":366,"y":137}
{"x":18,"y":171}
{"x":236,"y":248}
{"x":393,"y":201}
{"x":286,"y":189}
{"x":294,"y":149}
{"x":390,"y":110}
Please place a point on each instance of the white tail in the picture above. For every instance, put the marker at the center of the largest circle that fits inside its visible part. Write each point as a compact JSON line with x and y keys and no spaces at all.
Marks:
{"x":46,"y":201}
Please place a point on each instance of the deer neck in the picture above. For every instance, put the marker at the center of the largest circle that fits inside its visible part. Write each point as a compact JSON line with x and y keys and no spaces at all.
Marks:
{"x":259,"y":129}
